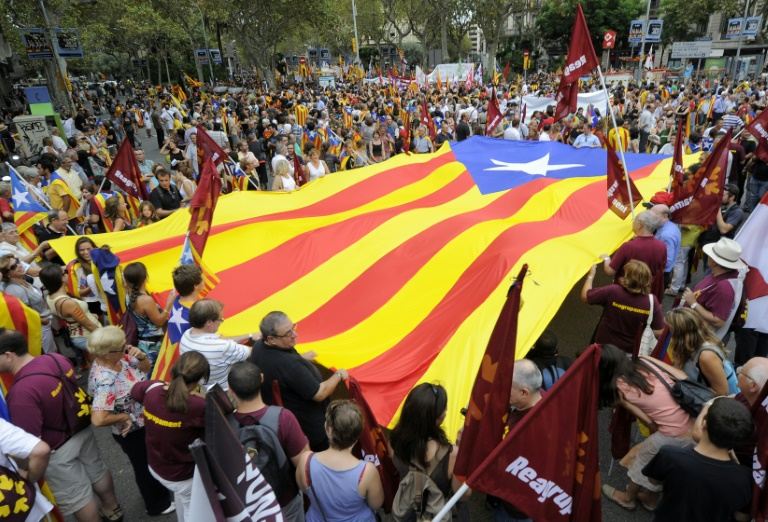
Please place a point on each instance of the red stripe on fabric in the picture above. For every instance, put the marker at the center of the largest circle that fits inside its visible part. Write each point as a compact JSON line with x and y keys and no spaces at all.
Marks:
{"x":382,"y":280}
{"x":316,"y":247}
{"x":357,"y":195}
{"x":387,"y":378}
{"x":19,"y":318}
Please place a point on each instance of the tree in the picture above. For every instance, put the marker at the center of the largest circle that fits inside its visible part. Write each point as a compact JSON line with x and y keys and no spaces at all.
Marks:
{"x":556,"y":18}
{"x":686,"y":19}
{"x":491,"y":17}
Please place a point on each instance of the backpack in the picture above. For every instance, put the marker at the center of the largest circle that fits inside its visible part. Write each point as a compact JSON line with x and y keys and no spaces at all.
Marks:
{"x":263,"y":446}
{"x":550,"y":376}
{"x":418,"y":498}
{"x":730,"y":373}
{"x":77,"y":402}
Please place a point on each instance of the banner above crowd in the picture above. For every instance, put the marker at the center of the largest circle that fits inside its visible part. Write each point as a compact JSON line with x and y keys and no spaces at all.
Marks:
{"x":398,"y":271}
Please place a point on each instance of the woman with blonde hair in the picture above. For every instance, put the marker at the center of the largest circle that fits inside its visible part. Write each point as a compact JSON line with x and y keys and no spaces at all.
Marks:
{"x":626,"y":307}
{"x":174,"y":416}
{"x":116,"y":368}
{"x":283,"y":181}
{"x":695,"y":349}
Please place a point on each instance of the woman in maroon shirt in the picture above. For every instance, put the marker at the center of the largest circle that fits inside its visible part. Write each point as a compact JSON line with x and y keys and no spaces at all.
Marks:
{"x":174,"y":416}
{"x":626,"y":306}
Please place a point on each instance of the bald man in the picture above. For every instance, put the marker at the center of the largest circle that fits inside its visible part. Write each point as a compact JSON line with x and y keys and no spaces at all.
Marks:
{"x":669,"y":234}
{"x":752,"y":377}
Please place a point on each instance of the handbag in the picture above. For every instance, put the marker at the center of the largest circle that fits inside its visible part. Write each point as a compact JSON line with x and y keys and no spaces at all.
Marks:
{"x":690,"y":395}
{"x":648,"y":340}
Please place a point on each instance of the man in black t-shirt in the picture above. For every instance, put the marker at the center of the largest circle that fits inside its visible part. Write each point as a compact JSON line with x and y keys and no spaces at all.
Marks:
{"x":302,"y":389}
{"x":165,"y":197}
{"x":703,"y":483}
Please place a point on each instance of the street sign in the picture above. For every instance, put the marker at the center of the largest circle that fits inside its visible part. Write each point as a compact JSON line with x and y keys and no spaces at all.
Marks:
{"x":609,"y":39}
{"x":752,"y":26}
{"x":201,"y":56}
{"x":36,"y":43}
{"x":735,"y":25}
{"x":691,"y":49}
{"x":215,"y":56}
{"x":68,"y":43}
{"x":653,"y":30}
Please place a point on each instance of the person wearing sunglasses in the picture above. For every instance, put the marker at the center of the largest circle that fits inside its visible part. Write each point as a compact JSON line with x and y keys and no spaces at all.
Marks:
{"x":301,"y":386}
{"x":116,"y":368}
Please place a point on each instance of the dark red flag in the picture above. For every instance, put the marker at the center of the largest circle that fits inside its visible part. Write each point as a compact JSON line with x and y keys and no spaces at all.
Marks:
{"x":426,"y":119}
{"x":207,"y":148}
{"x":373,"y":445}
{"x":678,"y":171}
{"x":485,"y":420}
{"x":227,"y":484}
{"x":698,"y":200}
{"x":618,"y":196}
{"x":547,"y":466}
{"x":760,"y":458}
{"x":581,"y":60}
{"x":298,"y":171}
{"x":567,"y":99}
{"x":202,"y":205}
{"x":124,"y":172}
{"x":758,"y":130}
{"x":505,"y":73}
{"x":494,"y":114}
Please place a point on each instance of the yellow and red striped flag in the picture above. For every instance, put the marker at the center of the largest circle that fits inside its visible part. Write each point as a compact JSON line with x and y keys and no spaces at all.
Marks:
{"x":15,"y":315}
{"x":397,"y":271}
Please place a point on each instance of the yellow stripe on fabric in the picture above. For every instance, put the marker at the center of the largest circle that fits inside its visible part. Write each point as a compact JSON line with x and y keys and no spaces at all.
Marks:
{"x":264,"y":236}
{"x":239,"y":206}
{"x":417,"y":298}
{"x":555,"y":266}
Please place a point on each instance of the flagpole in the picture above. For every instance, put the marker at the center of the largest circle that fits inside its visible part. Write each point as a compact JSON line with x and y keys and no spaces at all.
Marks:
{"x":44,"y":202}
{"x":451,"y":502}
{"x":618,"y":141}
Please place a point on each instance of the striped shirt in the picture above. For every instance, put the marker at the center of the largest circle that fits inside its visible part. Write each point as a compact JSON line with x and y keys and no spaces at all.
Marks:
{"x":731,"y":121}
{"x":221,"y":353}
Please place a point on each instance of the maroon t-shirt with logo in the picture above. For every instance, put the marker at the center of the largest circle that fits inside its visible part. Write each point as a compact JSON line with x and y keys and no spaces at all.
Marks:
{"x":650,"y":251}
{"x":289,"y":433}
{"x":36,"y":402}
{"x":624,"y":316}
{"x":168,"y":433}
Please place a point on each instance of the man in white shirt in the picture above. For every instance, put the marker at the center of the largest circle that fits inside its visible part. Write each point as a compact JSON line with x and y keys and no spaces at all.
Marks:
{"x":645,"y":123}
{"x":69,"y":126}
{"x":58,"y":143}
{"x":23,"y":447}
{"x":512,"y":132}
{"x":167,"y":118}
{"x":221,"y":352}
{"x":586,"y":138}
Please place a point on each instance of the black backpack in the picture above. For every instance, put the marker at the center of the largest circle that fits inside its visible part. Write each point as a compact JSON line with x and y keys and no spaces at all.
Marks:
{"x":263,"y":446}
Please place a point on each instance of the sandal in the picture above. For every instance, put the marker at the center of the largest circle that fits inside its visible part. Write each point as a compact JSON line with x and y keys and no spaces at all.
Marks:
{"x":116,"y":515}
{"x":609,"y":491}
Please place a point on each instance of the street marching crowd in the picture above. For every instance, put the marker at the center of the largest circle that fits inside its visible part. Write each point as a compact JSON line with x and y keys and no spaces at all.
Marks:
{"x":77,"y":355}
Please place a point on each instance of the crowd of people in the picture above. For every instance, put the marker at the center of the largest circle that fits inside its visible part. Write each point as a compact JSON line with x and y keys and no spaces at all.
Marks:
{"x":280,"y":139}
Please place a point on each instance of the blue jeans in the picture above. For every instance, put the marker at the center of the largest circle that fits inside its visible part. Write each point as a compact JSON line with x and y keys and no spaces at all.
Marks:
{"x":755,"y":190}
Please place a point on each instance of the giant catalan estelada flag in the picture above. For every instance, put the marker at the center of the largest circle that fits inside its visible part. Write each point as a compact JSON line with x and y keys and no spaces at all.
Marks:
{"x":398,"y":271}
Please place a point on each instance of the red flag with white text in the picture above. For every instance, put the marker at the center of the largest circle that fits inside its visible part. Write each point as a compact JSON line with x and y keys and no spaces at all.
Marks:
{"x":485,"y":423}
{"x":698,"y":200}
{"x":125,"y":174}
{"x":618,"y":196}
{"x":581,"y":60}
{"x":758,"y":129}
{"x":547,"y":466}
{"x":494,"y":114}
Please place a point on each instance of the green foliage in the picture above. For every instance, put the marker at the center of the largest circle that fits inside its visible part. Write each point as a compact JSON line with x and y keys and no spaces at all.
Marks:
{"x":686,"y":19}
{"x":556,"y":18}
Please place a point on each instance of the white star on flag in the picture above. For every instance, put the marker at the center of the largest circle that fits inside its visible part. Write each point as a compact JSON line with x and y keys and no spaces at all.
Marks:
{"x":537,"y":167}
{"x":20,"y":198}
{"x":176,"y":318}
{"x":107,"y":284}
